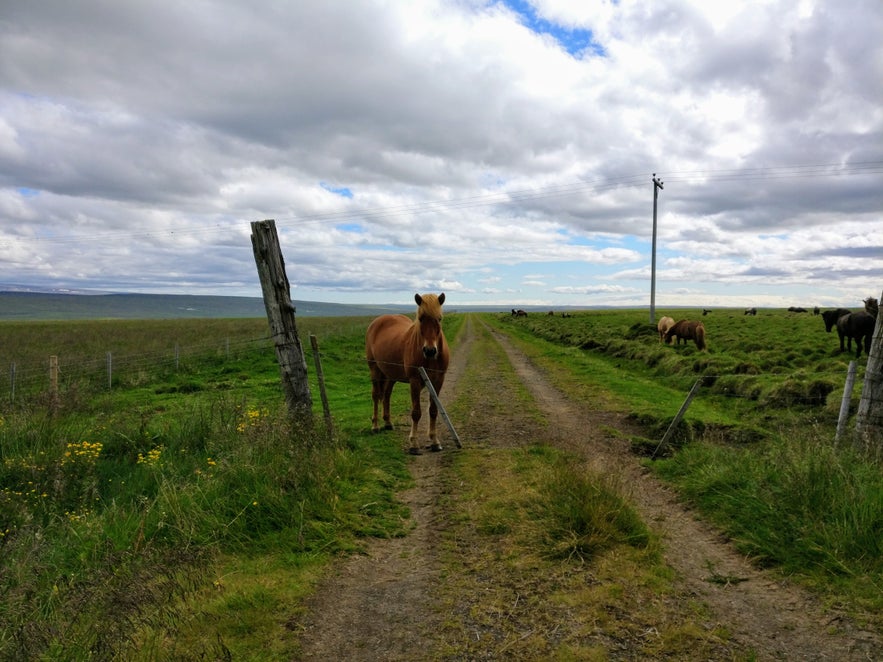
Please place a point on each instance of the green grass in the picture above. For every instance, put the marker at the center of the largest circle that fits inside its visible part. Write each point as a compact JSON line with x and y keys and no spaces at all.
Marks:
{"x":177,"y":511}
{"x":756,"y":453}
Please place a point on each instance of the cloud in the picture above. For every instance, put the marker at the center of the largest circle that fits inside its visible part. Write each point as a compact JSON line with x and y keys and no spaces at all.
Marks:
{"x":407,"y":146}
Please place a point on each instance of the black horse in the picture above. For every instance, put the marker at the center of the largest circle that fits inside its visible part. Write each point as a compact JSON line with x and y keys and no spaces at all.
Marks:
{"x":830,"y":318}
{"x":856,"y":326}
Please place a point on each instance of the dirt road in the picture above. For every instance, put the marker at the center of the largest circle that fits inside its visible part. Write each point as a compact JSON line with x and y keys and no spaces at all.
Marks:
{"x":379,"y":606}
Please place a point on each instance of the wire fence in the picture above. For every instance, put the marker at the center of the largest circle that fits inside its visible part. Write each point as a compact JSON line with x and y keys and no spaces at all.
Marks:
{"x":32,"y":380}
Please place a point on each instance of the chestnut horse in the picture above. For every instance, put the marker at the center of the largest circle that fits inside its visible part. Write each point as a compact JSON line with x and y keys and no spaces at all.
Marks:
{"x":686,"y":330}
{"x":396,"y":347}
{"x":665,"y":323}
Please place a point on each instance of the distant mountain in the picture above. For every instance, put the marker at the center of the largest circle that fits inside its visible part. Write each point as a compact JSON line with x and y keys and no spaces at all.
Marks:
{"x":57,"y":306}
{"x":24,"y":305}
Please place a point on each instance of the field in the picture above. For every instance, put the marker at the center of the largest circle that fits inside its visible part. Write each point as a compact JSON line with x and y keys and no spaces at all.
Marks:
{"x":171,"y":511}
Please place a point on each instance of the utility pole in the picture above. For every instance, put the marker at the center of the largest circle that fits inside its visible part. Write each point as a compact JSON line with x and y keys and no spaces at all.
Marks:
{"x":656,"y":186}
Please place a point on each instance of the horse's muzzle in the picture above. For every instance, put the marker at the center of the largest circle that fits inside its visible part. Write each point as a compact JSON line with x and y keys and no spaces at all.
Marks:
{"x":429,"y":352}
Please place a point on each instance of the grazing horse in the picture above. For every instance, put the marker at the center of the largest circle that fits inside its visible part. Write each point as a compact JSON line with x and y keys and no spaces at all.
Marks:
{"x":856,"y":326}
{"x":686,"y":330}
{"x":751,"y":311}
{"x":665,"y":323}
{"x":519,"y":313}
{"x":396,"y":348}
{"x":830,"y":317}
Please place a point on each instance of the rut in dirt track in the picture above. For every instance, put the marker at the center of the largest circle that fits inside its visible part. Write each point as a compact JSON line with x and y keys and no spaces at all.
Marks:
{"x":377,"y":606}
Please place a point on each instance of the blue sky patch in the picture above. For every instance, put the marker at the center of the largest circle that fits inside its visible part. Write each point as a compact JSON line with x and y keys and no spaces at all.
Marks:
{"x":342,"y":191}
{"x":574,"y":40}
{"x":28,"y":192}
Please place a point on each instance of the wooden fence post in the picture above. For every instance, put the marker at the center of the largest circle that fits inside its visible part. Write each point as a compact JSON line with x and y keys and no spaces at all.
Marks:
{"x":869,"y":417}
{"x":679,"y":415}
{"x":314,"y":343}
{"x":845,"y":400}
{"x":280,"y":313}
{"x":441,"y":407}
{"x":53,"y":383}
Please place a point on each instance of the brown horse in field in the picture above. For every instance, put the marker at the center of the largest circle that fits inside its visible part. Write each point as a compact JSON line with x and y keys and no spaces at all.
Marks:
{"x":396,"y":347}
{"x":665,"y":323}
{"x":686,"y":330}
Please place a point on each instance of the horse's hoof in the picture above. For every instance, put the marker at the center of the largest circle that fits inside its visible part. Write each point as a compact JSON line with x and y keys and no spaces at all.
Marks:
{"x":435,"y":448}
{"x":375,"y":430}
{"x":414,"y":450}
{"x":388,"y":426}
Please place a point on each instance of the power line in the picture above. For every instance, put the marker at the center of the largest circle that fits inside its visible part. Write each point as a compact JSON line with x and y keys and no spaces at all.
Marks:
{"x":500,"y":198}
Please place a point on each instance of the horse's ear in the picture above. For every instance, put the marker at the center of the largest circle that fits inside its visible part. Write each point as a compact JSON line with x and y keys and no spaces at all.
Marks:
{"x":418,"y":299}
{"x":441,"y":298}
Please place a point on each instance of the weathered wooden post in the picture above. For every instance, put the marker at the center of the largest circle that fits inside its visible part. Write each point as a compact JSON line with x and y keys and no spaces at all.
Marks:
{"x":280,"y":313}
{"x":320,"y":376}
{"x":869,"y":417}
{"x":53,"y":384}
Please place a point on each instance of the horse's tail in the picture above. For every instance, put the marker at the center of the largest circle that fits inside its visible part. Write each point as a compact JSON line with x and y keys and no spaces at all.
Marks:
{"x":700,"y":336}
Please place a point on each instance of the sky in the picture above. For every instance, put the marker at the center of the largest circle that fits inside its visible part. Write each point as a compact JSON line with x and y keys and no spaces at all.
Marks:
{"x":500,"y":151}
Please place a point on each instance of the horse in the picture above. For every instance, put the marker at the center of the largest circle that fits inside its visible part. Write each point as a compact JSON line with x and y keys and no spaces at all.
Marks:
{"x":686,"y":330}
{"x":830,"y":317}
{"x":705,"y":311}
{"x":396,"y":347}
{"x":858,"y":326}
{"x":750,"y":311}
{"x":519,"y":313}
{"x":665,"y":323}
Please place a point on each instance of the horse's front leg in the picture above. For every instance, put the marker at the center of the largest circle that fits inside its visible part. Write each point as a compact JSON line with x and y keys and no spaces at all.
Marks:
{"x":416,"y":413}
{"x":434,"y":444}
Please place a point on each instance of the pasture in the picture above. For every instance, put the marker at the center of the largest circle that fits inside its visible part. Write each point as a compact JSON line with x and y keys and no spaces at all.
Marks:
{"x":760,"y":372}
{"x":179,"y":493}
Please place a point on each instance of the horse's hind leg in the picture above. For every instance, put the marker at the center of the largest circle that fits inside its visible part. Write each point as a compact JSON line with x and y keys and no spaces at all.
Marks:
{"x":380,"y":393}
{"x":387,"y":394}
{"x":376,"y":397}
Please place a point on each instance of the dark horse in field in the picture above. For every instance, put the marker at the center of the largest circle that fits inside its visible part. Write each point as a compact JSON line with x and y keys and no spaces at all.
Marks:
{"x":396,"y":347}
{"x":830,"y":317}
{"x":859,"y":327}
{"x":686,"y":330}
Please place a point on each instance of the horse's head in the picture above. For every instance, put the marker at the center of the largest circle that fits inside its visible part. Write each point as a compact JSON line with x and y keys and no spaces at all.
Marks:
{"x":429,"y":318}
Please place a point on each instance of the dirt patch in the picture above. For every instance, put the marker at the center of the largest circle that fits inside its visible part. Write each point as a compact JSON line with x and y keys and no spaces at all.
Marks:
{"x":378,"y":606}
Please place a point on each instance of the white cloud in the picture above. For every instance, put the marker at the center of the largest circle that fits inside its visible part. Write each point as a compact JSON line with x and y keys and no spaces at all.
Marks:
{"x":139,"y":139}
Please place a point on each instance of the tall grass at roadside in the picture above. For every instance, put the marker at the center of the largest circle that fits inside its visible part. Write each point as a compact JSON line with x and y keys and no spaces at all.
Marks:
{"x":802,"y":504}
